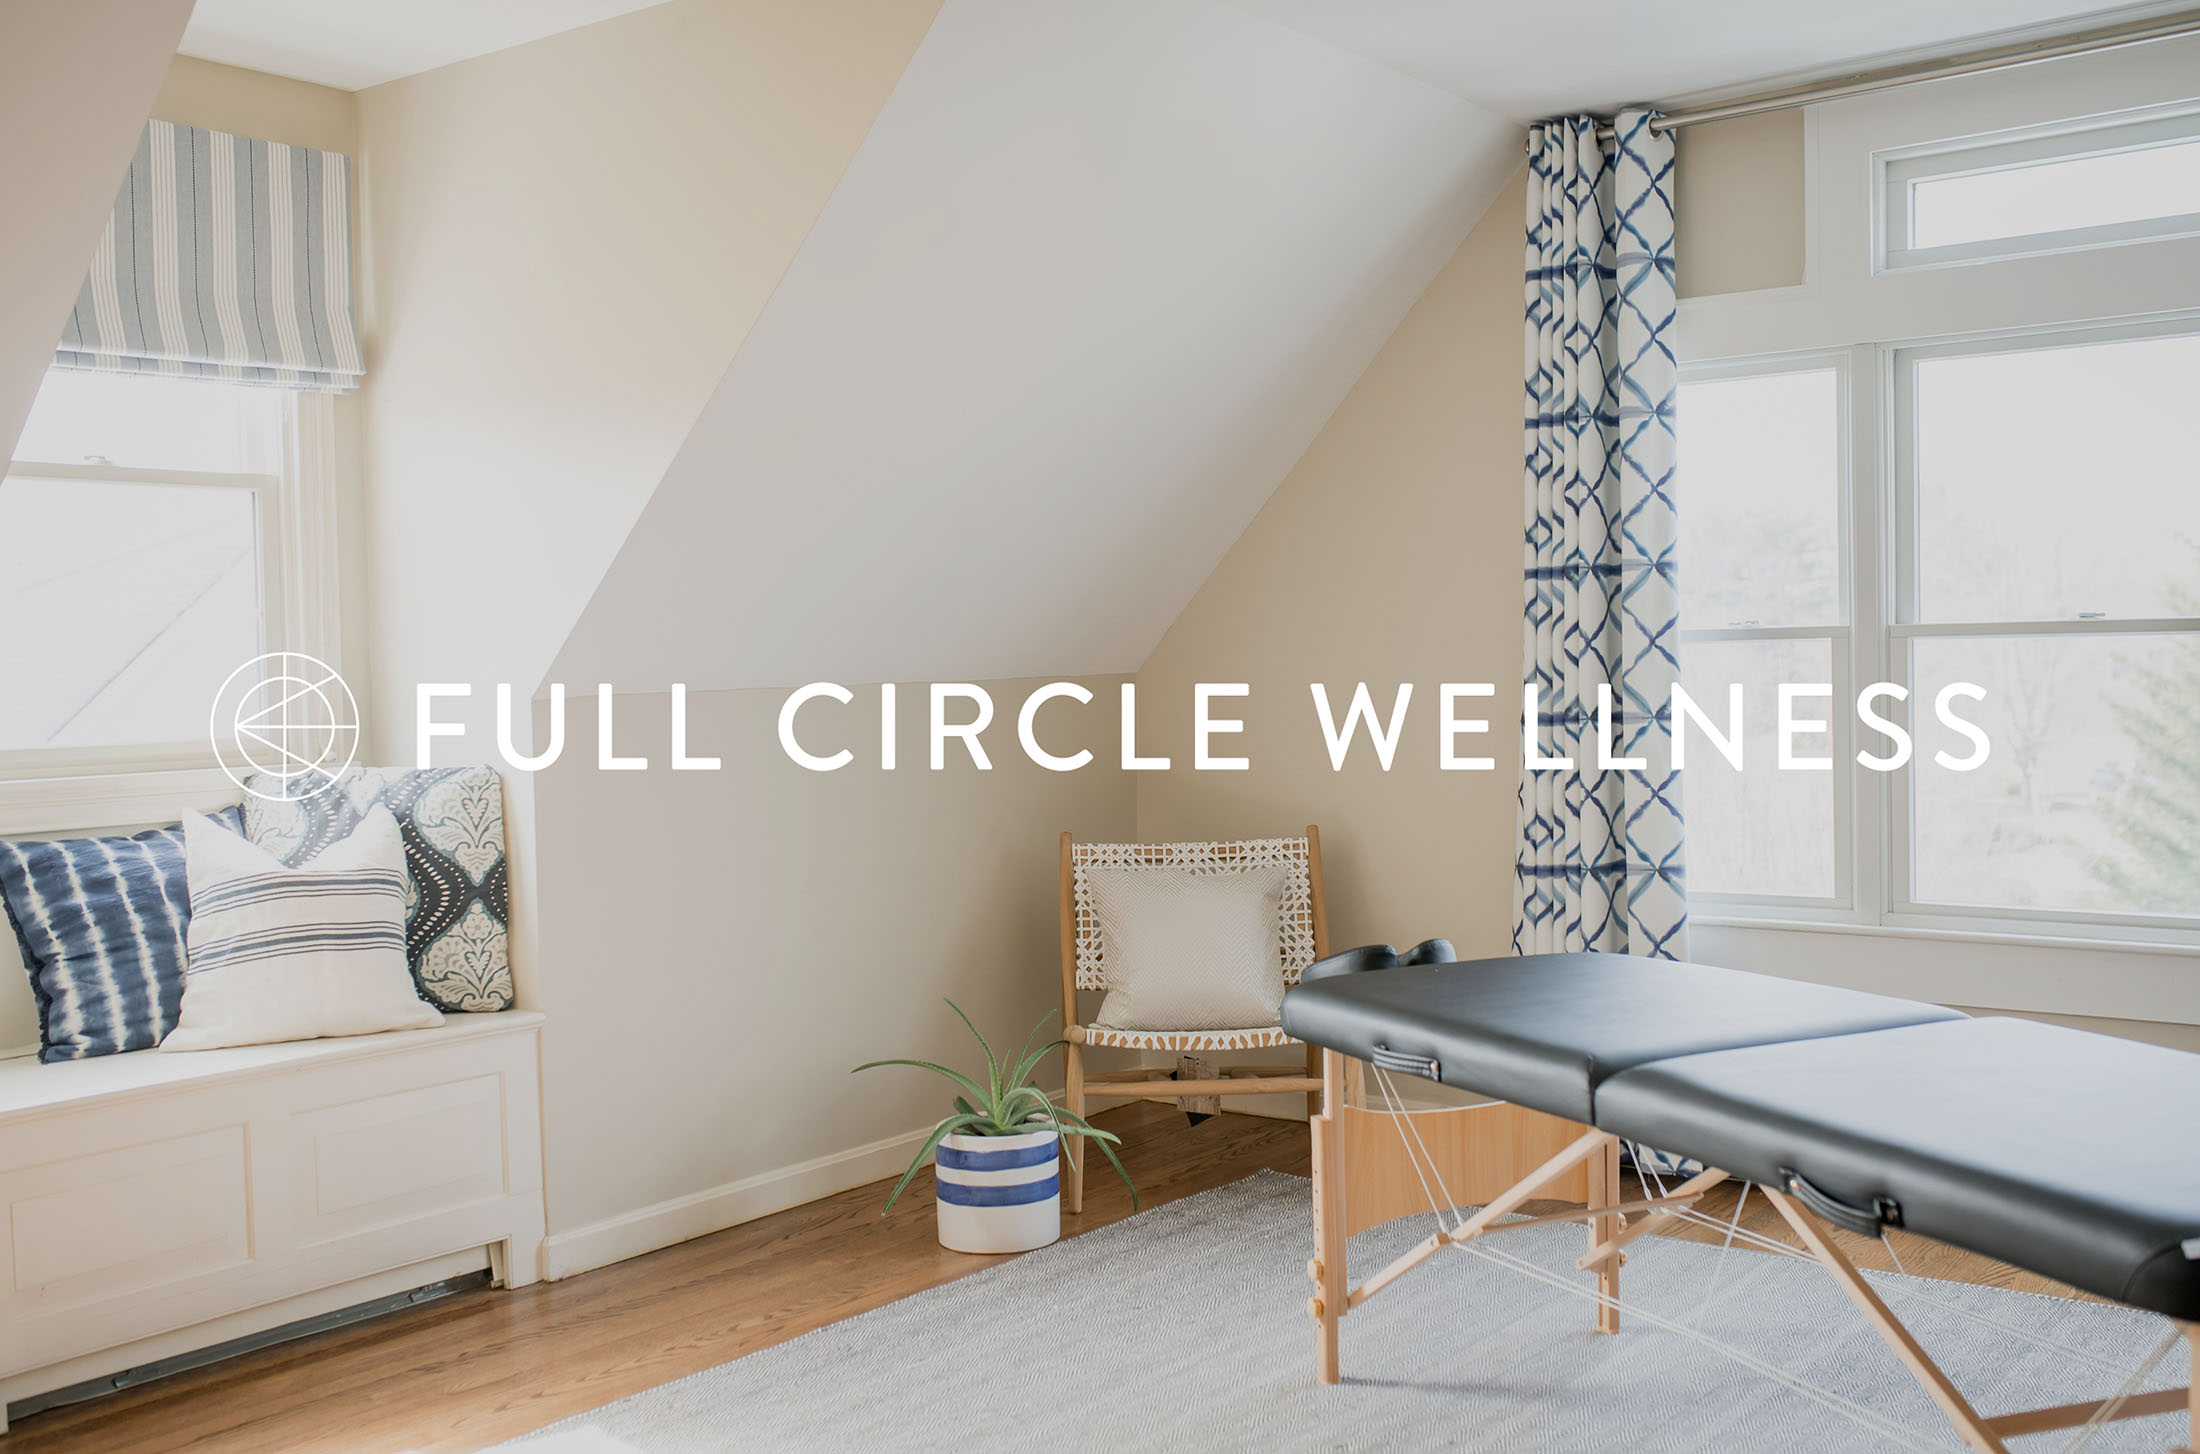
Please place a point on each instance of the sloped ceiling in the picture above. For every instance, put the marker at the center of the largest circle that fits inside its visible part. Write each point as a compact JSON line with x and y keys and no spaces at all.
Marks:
{"x":76,"y":83}
{"x":1096,"y":276}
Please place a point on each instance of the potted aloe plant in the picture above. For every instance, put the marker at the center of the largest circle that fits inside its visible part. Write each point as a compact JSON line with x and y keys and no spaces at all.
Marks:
{"x":999,"y":1170}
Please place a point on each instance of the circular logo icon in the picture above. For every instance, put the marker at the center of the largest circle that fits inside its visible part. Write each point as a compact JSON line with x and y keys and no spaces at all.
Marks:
{"x":284,"y":726}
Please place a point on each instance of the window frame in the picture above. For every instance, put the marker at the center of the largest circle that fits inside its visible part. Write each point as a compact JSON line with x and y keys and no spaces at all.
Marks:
{"x":69,"y":789}
{"x":1902,"y":907}
{"x":1873,"y":811}
{"x":1841,"y":637}
{"x":1898,"y":171}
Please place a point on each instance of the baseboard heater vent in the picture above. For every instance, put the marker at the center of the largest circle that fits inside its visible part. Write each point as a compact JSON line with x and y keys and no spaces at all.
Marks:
{"x":91,"y":1388}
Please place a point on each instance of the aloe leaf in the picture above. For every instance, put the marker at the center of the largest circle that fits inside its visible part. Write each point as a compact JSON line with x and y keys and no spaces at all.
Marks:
{"x":940,"y":1133}
{"x":1031,"y":1061}
{"x":1022,"y":1094}
{"x":1109,"y":1151}
{"x":1025,"y":1060}
{"x":992,"y":1063}
{"x":1087,"y":1128}
{"x":954,"y":1075}
{"x":1077,"y":1125}
{"x":1025,"y":1049}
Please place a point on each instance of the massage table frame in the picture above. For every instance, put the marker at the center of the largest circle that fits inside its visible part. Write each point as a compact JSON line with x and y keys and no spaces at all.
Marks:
{"x":1585,"y":1168}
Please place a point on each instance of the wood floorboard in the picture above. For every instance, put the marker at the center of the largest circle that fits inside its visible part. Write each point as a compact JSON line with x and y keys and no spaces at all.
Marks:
{"x":484,"y":1366}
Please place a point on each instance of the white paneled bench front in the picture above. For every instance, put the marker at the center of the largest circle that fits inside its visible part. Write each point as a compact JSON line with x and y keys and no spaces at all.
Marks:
{"x":156,"y":1204}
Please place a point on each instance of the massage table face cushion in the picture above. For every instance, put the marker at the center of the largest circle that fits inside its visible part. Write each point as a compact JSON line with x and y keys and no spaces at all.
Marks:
{"x":1544,"y":1030}
{"x":2074,"y":1155}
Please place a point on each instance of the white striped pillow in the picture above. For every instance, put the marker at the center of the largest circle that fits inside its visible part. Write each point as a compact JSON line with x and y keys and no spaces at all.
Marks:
{"x":281,"y":953}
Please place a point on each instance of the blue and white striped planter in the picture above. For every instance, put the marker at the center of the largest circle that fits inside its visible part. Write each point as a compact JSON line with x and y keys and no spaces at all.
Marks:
{"x":999,"y":1193}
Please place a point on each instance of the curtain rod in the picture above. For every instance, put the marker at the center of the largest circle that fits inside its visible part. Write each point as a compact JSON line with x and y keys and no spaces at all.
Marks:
{"x":1970,"y":63}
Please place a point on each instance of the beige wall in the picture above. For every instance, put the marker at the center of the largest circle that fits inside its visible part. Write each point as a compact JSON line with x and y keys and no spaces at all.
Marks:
{"x":1738,"y":213}
{"x":723,"y":948}
{"x":255,"y":104}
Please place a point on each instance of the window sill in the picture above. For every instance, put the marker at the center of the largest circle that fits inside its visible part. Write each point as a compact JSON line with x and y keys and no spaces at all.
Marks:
{"x":2076,"y":941}
{"x":109,"y":802}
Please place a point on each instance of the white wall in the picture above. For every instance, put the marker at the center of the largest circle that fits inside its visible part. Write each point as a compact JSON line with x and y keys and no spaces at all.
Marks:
{"x":76,"y":77}
{"x":1094,"y":279}
{"x":565,"y":244}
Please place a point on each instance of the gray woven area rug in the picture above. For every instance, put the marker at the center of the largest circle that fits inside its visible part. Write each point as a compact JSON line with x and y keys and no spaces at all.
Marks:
{"x":1186,"y":1329}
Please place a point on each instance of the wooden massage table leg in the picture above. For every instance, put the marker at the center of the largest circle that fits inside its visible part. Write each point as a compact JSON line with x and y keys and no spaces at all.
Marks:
{"x":1983,"y":1434}
{"x":1968,"y":1423}
{"x":2192,"y":1391}
{"x":1327,"y":1269}
{"x":1604,"y":1192}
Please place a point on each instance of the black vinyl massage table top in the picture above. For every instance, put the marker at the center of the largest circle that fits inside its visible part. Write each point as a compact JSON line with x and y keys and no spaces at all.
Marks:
{"x":2074,"y":1155}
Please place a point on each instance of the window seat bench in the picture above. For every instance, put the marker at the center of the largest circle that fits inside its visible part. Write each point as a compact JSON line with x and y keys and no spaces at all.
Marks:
{"x":155,"y":1204}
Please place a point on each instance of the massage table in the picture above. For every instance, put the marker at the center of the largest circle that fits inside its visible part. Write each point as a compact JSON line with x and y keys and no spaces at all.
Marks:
{"x":2072,"y":1155}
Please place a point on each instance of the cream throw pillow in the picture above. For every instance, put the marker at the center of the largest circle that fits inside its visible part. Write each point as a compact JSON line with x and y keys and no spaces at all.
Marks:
{"x":279,"y":953}
{"x":1189,"y":951}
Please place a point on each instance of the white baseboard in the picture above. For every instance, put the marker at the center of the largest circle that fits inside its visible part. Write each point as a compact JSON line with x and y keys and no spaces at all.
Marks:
{"x":698,"y":1214}
{"x":645,"y":1229}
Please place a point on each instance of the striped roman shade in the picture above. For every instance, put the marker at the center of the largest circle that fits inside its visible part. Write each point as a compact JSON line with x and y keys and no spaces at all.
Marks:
{"x":225,"y":258}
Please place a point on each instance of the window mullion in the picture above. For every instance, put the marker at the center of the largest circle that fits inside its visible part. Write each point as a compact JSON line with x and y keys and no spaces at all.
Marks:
{"x":1868,"y":855}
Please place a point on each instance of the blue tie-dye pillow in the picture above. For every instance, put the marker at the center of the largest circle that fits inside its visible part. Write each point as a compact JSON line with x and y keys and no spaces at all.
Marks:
{"x":100,"y":922}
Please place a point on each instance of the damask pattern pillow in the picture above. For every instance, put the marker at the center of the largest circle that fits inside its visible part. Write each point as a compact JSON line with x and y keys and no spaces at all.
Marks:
{"x":457,"y":899}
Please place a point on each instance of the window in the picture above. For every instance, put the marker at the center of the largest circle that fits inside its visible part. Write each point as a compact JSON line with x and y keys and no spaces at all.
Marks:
{"x":1763,"y":600}
{"x":2048,"y":549}
{"x":143,"y":530}
{"x":2038,"y":535}
{"x":2038,"y":192}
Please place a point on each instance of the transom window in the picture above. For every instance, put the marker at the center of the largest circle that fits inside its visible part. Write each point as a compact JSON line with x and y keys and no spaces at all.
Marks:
{"x":2036,"y":191}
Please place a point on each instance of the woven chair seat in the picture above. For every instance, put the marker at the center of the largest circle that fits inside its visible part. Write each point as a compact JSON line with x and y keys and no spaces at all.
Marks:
{"x":1258,"y":1037}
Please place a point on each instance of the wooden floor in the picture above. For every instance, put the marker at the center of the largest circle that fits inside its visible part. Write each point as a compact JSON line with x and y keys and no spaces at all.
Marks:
{"x":485,"y":1366}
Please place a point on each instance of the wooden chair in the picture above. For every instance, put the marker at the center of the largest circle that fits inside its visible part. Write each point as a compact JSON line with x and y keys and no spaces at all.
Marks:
{"x":1304,"y":939}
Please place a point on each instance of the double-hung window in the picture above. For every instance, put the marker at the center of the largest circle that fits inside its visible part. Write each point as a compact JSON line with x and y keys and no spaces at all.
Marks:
{"x":2047,"y":548}
{"x":1765,"y":602}
{"x":156,"y":533}
{"x":1984,"y":480}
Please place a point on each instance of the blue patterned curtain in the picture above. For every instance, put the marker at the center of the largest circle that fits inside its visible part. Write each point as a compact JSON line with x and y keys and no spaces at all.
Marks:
{"x":1599,"y":852}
